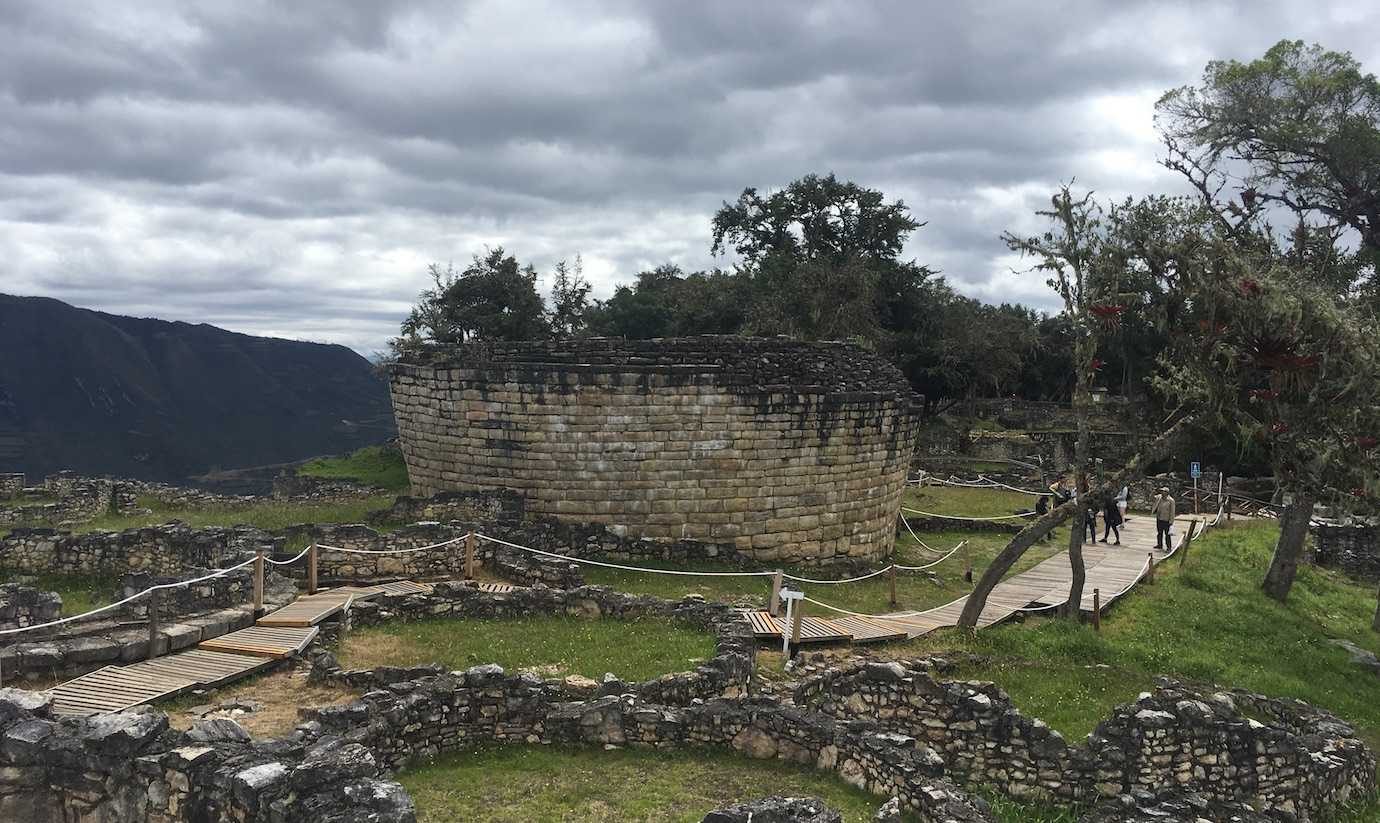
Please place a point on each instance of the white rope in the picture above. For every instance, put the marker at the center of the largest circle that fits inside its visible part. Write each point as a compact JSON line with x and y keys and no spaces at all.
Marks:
{"x":618,"y":566}
{"x":936,"y":562}
{"x":130,"y":599}
{"x":896,"y":615}
{"x":394,"y":551}
{"x":922,"y":543}
{"x":999,"y":484}
{"x":299,"y":556}
{"x":847,"y":580}
{"x":960,"y":517}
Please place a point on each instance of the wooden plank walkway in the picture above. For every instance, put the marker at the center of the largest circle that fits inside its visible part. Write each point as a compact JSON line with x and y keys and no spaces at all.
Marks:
{"x":264,"y":641}
{"x":1110,"y":569}
{"x":279,"y":634}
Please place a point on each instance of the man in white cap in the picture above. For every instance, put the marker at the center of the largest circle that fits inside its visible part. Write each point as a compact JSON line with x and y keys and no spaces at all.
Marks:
{"x":1164,"y":518}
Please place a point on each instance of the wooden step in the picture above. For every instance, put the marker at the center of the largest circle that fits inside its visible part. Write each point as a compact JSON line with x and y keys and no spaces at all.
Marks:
{"x":264,"y":641}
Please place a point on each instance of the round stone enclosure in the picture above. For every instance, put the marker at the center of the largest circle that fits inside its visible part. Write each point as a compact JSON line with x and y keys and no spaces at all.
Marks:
{"x":770,"y":448}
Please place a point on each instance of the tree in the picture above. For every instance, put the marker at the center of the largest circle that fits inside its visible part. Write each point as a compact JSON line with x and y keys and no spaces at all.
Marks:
{"x":1085,"y":265}
{"x":492,"y":299}
{"x":1301,"y":125}
{"x":1279,"y":361}
{"x":569,"y":299}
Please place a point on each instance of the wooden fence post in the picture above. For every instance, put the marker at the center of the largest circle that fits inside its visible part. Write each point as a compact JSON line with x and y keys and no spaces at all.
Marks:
{"x":1228,"y":507}
{"x":1150,"y":572}
{"x":891,"y":579}
{"x":798,"y":613}
{"x":968,"y":570}
{"x":311,"y":569}
{"x":470,"y":540}
{"x":154,"y":598}
{"x":258,"y":583}
{"x":1097,"y":610}
{"x":774,"y":605}
{"x":1188,"y":540}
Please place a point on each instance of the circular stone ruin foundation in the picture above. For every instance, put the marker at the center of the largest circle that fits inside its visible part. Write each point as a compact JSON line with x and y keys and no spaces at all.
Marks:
{"x":769,"y":448}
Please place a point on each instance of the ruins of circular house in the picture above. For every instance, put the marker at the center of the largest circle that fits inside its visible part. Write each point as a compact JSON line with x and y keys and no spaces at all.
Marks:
{"x":769,"y":449}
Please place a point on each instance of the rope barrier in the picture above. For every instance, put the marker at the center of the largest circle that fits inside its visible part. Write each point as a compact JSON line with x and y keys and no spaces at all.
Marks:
{"x":833,"y":582}
{"x":396,"y":551}
{"x":922,"y":543}
{"x":299,"y":556}
{"x":588,"y":562}
{"x":130,"y":599}
{"x":935,"y":563}
{"x":973,"y":519}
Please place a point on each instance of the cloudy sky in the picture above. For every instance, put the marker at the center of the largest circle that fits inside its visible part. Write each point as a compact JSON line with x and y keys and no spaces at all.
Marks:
{"x":291,"y":168}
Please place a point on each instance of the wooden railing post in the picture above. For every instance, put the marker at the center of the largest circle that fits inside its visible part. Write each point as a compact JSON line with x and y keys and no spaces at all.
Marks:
{"x":470,"y":540}
{"x":1228,"y":507}
{"x":1188,"y":540}
{"x":258,"y":582}
{"x":154,"y":599}
{"x":311,"y":569}
{"x":774,"y":604}
{"x":1097,"y":610}
{"x":891,"y":579}
{"x":797,"y":615}
{"x":1150,"y":572}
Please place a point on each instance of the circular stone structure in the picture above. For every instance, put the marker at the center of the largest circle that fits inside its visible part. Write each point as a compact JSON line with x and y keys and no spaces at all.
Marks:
{"x":766,"y":448}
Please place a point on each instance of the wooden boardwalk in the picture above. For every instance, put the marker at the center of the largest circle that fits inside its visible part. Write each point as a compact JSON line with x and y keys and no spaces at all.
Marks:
{"x":1111,"y":570}
{"x":275,"y":636}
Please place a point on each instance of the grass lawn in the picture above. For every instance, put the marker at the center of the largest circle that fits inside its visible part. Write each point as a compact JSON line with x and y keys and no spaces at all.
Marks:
{"x":266,"y":515}
{"x":553,"y":646}
{"x":380,"y":466}
{"x":524,"y":783}
{"x":966,"y":502}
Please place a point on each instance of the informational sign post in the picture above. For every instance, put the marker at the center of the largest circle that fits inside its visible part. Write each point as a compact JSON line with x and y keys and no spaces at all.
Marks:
{"x":1195,"y":470}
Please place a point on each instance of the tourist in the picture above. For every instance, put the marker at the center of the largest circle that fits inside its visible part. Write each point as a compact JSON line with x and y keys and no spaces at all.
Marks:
{"x":1042,"y":506}
{"x":1090,"y":520}
{"x":1164,"y":518}
{"x":1061,"y":493}
{"x":1122,"y":498}
{"x":1112,"y":519}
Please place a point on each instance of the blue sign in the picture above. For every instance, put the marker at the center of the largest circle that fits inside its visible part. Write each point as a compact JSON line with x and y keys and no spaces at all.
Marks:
{"x":1195,"y":470}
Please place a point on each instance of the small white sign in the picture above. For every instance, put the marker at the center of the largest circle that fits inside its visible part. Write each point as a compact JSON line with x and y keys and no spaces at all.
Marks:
{"x":1195,"y":470}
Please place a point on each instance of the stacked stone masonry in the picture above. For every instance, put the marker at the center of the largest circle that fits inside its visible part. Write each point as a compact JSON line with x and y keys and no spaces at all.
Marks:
{"x":1354,"y":549}
{"x":772,"y":449}
{"x":22,"y":606}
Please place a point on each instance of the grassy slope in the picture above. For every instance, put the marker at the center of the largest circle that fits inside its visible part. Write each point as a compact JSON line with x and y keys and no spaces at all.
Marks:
{"x":380,"y":466}
{"x":631,"y":649}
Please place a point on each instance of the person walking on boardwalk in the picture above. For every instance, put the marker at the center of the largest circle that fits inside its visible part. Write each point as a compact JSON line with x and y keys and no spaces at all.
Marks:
{"x":1111,"y":519}
{"x":1122,"y":498}
{"x":1090,"y":519}
{"x":1164,"y":518}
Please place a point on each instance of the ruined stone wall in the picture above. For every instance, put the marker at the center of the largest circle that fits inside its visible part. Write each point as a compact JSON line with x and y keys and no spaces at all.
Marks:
{"x":166,"y":549}
{"x":22,"y":606}
{"x":771,"y":449}
{"x":11,"y":484}
{"x":1354,"y":549}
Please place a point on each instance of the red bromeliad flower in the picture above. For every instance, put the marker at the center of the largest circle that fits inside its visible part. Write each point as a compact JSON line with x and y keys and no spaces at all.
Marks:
{"x":1367,"y":442}
{"x":1263,"y":394}
{"x":1249,"y":287}
{"x":1279,"y":427}
{"x":1096,"y":364}
{"x":1358,"y":492}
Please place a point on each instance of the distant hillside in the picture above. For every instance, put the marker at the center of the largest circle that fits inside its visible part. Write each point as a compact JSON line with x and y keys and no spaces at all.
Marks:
{"x":101,"y":393}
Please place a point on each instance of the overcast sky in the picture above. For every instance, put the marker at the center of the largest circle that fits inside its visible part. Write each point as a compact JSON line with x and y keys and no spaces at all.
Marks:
{"x":290,"y":169}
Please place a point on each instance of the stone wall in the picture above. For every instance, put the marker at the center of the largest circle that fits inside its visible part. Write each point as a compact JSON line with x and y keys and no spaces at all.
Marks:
{"x":11,"y":484}
{"x":22,"y":606}
{"x":1354,"y":549}
{"x":772,"y":449}
{"x":231,"y":589}
{"x":728,"y":673}
{"x":171,"y":548}
{"x":1295,"y":758}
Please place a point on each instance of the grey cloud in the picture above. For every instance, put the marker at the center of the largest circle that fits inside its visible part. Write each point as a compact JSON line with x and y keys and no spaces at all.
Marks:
{"x":290,"y":168}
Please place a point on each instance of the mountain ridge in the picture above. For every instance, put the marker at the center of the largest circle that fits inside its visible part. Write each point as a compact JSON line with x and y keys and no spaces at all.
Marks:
{"x":104,"y":393}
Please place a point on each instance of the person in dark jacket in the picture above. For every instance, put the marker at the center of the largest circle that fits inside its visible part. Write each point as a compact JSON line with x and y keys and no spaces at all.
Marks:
{"x":1111,"y":521}
{"x":1090,"y":521}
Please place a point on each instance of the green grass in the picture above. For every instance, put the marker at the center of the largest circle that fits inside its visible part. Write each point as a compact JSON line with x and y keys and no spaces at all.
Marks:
{"x":524,"y":783}
{"x":265,"y":515}
{"x":80,"y":592}
{"x":632,"y":649}
{"x":380,"y":466}
{"x":967,"y":502}
{"x":1205,"y":622}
